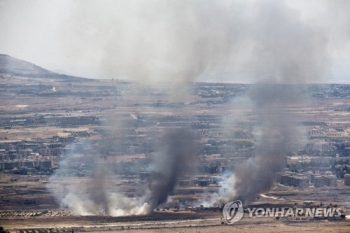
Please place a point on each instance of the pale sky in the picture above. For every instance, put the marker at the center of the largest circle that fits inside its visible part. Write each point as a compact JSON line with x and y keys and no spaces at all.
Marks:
{"x":122,"y":39}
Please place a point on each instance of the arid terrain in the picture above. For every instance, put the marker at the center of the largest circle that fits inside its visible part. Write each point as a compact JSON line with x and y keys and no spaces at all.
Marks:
{"x":58,"y":134}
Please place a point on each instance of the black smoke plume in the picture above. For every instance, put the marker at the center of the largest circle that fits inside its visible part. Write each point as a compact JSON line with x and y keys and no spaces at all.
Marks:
{"x":177,"y":157}
{"x":279,"y":132}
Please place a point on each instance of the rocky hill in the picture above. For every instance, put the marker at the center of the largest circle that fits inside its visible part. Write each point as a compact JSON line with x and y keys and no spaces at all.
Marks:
{"x":11,"y":65}
{"x":16,"y":67}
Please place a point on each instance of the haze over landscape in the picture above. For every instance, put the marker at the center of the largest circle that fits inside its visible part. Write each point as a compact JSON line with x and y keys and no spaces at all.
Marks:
{"x":152,"y":115}
{"x":95,"y":39}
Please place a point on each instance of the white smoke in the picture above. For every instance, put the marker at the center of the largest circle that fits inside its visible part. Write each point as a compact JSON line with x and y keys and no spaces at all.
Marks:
{"x":95,"y":194}
{"x":226,"y":191}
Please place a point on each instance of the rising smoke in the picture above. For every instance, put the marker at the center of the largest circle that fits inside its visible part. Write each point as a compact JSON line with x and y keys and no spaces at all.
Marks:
{"x":293,"y":53}
{"x":178,"y":158}
{"x":98,"y":193}
{"x":266,"y":42}
{"x":279,"y":132}
{"x":154,"y":40}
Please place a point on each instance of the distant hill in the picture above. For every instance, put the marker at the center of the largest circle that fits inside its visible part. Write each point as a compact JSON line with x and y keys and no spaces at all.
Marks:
{"x":14,"y":66}
{"x":11,"y":65}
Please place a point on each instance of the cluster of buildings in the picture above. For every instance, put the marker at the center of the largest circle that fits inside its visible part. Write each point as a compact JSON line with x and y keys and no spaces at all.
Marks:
{"x":304,"y":180}
{"x":320,"y":180}
{"x":10,"y":160}
{"x":49,"y":120}
{"x":201,"y":181}
{"x":347,"y":179}
{"x":33,"y":154}
{"x":293,"y":179}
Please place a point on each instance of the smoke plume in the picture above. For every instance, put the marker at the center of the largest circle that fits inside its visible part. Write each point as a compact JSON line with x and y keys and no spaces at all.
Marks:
{"x":278,"y":135}
{"x":294,"y":52}
{"x":98,"y":194}
{"x":183,"y":41}
{"x":266,"y":42}
{"x":152,"y":41}
{"x":177,"y":157}
{"x":286,"y":52}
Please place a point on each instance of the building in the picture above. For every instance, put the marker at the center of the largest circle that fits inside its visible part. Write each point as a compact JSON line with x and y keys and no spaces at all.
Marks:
{"x":319,"y":181}
{"x":203,"y":183}
{"x":7,"y":165}
{"x":347,"y":179}
{"x":186,"y":183}
{"x":330,"y":180}
{"x":45,"y":164}
{"x":291,"y":179}
{"x":28,"y":163}
{"x":325,"y":179}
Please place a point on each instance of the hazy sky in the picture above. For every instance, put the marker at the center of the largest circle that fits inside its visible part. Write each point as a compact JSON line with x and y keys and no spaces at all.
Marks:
{"x":204,"y":40}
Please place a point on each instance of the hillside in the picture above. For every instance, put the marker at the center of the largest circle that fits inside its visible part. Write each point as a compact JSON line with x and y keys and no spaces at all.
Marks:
{"x":13,"y":66}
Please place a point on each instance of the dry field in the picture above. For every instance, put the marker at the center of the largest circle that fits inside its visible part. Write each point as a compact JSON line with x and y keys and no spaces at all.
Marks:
{"x":170,"y":222}
{"x":46,"y":216}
